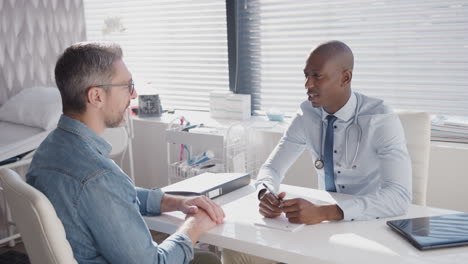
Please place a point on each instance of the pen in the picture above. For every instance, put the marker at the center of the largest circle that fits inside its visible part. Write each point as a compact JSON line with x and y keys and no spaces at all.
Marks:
{"x":273,"y":193}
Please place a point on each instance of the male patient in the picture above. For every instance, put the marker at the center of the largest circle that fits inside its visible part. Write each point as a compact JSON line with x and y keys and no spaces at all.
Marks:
{"x":97,"y":203}
{"x":357,"y":145}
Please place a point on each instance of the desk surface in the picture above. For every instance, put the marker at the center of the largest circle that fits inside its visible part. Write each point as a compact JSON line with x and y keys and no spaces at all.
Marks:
{"x":328,"y":242}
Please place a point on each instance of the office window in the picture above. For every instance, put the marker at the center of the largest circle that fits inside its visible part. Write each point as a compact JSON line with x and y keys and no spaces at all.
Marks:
{"x":179,"y":46}
{"x":412,"y":54}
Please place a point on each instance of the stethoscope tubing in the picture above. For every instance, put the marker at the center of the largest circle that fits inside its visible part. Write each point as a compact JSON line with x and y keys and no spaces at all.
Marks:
{"x":319,"y":162}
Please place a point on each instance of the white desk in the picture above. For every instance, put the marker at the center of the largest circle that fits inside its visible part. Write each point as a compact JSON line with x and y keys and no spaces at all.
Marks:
{"x":330,"y":242}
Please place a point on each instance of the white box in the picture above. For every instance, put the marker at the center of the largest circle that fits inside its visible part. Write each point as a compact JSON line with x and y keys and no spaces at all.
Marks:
{"x":218,"y":103}
{"x":238,"y":106}
{"x":227,"y":105}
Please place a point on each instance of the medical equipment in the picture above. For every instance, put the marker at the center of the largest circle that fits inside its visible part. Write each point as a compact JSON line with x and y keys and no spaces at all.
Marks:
{"x":205,"y":156}
{"x":319,"y":164}
{"x":213,"y":149}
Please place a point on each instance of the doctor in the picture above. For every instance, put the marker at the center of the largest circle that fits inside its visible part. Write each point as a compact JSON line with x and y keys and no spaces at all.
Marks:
{"x":357,"y":146}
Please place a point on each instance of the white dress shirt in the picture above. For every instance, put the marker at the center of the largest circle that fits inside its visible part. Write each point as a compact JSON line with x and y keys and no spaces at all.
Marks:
{"x":381,"y":177}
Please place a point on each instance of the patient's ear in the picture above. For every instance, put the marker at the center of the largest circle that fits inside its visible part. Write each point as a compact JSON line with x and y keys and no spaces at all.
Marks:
{"x":95,"y":97}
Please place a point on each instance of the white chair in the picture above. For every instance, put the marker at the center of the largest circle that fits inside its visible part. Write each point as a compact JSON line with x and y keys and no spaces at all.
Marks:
{"x":417,"y":127}
{"x":41,"y":229}
{"x":120,"y":140}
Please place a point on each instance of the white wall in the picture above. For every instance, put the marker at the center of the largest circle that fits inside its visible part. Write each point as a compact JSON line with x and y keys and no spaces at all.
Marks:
{"x":448,"y":172}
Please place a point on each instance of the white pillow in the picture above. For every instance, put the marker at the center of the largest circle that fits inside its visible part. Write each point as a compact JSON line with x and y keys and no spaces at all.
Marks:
{"x":37,"y":107}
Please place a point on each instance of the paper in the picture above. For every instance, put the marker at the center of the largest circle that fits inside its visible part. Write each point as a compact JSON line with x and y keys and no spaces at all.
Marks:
{"x":280,"y":223}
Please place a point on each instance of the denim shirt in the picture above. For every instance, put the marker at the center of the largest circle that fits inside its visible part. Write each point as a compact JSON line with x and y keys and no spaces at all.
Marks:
{"x":98,"y":205}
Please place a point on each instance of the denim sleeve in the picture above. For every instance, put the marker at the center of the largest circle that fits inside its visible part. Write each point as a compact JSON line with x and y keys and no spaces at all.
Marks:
{"x":150,"y":201}
{"x":109,"y":206}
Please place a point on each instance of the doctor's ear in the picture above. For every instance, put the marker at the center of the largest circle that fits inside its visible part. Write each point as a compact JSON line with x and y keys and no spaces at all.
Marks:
{"x":346,"y":78}
{"x":95,"y":96}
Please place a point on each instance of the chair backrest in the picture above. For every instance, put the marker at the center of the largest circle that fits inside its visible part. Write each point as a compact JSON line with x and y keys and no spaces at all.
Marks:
{"x":118,"y":138}
{"x":41,"y":229}
{"x":417,"y":127}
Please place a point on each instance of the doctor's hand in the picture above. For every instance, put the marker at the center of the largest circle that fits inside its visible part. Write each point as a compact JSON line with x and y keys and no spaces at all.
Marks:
{"x":270,"y":206}
{"x":300,"y":211}
{"x":191,"y":205}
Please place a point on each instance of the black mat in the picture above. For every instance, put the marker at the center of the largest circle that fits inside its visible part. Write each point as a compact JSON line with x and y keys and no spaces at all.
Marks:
{"x":14,"y":257}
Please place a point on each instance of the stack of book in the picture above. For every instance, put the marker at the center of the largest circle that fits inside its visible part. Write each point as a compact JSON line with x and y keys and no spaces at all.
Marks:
{"x":450,"y":128}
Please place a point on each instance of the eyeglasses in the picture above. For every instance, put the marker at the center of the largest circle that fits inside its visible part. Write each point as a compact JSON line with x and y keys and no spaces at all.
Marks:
{"x":130,"y":85}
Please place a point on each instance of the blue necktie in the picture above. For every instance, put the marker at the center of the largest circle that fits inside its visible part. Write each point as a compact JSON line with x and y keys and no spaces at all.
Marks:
{"x":328,"y":156}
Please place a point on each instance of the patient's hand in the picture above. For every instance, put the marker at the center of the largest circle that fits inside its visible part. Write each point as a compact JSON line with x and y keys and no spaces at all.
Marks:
{"x":191,"y":205}
{"x":196,"y":224}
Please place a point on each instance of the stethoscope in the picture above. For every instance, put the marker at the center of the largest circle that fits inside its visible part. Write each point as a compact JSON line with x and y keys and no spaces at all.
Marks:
{"x":319,"y":163}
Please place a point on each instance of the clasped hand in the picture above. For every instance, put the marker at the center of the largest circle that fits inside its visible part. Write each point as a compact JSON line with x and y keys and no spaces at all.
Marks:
{"x":297,"y":210}
{"x":202,"y":213}
{"x":191,"y":205}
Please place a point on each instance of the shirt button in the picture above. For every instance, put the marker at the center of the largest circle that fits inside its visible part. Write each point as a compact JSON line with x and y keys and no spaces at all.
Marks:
{"x":334,"y":126}
{"x":352,"y":219}
{"x":377,"y":217}
{"x":339,"y":171}
{"x":335,"y":151}
{"x":342,"y":186}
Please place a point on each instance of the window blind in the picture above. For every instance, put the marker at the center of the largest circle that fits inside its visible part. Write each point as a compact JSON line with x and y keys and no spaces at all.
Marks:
{"x":175,"y":48}
{"x":412,"y":54}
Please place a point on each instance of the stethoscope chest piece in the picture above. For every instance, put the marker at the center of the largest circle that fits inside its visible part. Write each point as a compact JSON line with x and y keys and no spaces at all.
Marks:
{"x":319,"y":164}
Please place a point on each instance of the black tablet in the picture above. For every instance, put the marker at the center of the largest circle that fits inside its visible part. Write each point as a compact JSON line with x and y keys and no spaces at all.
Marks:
{"x":435,"y":231}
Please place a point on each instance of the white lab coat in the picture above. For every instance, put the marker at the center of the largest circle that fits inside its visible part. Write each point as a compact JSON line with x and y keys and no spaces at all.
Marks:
{"x":381,"y":181}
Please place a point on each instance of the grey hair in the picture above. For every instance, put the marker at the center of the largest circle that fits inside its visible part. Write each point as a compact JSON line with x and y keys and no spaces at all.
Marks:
{"x":81,"y":66}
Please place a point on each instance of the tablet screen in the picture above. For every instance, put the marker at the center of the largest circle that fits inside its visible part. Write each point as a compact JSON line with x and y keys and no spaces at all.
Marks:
{"x":434,"y":231}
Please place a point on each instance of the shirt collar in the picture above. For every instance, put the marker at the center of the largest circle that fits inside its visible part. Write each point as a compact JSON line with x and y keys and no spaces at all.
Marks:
{"x":346,"y":112}
{"x":78,"y":128}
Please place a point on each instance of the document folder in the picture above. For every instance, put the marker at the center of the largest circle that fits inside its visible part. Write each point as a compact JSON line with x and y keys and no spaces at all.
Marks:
{"x":209,"y":184}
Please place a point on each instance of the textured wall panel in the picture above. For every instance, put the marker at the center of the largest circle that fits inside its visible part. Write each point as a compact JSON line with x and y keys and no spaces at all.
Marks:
{"x":32,"y":35}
